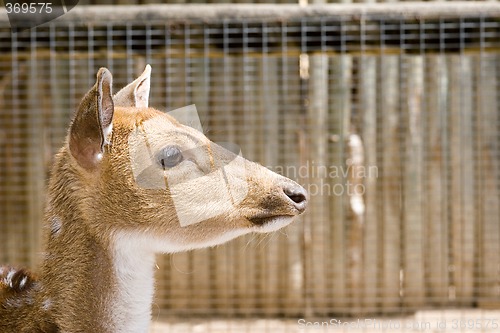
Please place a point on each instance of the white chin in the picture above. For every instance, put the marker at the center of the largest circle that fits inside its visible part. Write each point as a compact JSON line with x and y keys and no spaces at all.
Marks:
{"x":274,"y":224}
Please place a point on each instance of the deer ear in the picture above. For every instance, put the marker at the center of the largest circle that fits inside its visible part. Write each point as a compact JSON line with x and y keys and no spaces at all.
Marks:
{"x":136,"y":94}
{"x":93,"y":122}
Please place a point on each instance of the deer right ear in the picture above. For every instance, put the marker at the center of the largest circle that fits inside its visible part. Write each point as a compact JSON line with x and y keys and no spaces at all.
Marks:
{"x":92,"y":123}
{"x":136,"y":94}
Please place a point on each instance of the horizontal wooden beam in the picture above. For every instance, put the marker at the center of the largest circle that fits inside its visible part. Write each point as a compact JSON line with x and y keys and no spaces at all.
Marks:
{"x":442,"y":27}
{"x":278,"y":12}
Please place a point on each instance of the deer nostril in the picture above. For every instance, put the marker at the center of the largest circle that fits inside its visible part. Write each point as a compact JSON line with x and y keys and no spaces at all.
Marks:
{"x":297,"y":198}
{"x":298,"y":195}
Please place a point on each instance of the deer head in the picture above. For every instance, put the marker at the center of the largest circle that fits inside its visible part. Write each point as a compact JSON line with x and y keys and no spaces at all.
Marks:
{"x":150,"y":176}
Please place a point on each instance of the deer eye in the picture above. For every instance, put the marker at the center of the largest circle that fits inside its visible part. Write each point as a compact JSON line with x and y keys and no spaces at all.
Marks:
{"x":170,"y":156}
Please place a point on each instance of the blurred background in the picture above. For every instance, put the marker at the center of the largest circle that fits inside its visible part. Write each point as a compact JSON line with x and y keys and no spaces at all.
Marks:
{"x":389,"y":114}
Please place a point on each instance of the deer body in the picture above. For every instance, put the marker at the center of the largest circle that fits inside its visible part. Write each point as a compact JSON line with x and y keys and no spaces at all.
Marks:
{"x":103,"y":230}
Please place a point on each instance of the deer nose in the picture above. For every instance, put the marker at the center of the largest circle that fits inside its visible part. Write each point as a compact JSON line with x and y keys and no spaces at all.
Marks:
{"x":297,"y":196}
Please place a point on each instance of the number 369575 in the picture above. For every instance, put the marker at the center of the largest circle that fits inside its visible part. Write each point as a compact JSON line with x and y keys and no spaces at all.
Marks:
{"x":29,"y":8}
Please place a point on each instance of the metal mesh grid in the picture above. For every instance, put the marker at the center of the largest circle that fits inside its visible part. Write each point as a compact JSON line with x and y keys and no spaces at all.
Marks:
{"x":392,"y":123}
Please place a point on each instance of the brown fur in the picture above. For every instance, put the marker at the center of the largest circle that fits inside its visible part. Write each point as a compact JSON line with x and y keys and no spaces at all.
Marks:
{"x":92,"y":201}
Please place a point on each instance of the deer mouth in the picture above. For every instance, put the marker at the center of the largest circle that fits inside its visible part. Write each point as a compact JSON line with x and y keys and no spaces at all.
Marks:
{"x":263,"y":220}
{"x":269,"y":223}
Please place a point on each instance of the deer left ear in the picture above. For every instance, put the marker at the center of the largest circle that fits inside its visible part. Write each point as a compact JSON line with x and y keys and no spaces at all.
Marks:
{"x":136,"y":94}
{"x":92,"y":124}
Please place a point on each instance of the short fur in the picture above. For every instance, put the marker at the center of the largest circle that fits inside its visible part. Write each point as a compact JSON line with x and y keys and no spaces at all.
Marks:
{"x":103,"y":230}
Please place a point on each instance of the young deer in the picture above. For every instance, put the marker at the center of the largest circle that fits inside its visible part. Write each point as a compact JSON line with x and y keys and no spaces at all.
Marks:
{"x":105,"y":224}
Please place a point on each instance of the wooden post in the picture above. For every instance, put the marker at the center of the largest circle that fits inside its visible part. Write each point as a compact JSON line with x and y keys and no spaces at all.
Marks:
{"x":258,"y":275}
{"x":413,"y":279}
{"x":269,"y":108}
{"x":488,"y":276}
{"x":251,"y":142}
{"x":436,"y":245}
{"x":318,"y":212}
{"x":462,"y":180}
{"x":35,"y":154}
{"x":16,"y":215}
{"x":340,"y":92}
{"x":355,"y":222}
{"x":6,"y":78}
{"x":293,"y":301}
{"x":390,"y":176}
{"x":368,"y":89}
{"x":274,"y":147}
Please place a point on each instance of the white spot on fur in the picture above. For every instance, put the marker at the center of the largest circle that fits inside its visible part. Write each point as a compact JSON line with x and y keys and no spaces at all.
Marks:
{"x":23,"y":282}
{"x":8,"y":278}
{"x":47,"y":304}
{"x":55,"y":225}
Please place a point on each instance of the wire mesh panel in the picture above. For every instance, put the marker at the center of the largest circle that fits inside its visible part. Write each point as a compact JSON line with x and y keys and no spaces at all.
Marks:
{"x":391,"y":121}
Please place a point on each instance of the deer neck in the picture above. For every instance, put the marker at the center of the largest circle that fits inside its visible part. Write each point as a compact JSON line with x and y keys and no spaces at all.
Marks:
{"x":91,"y":282}
{"x":133,"y":269}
